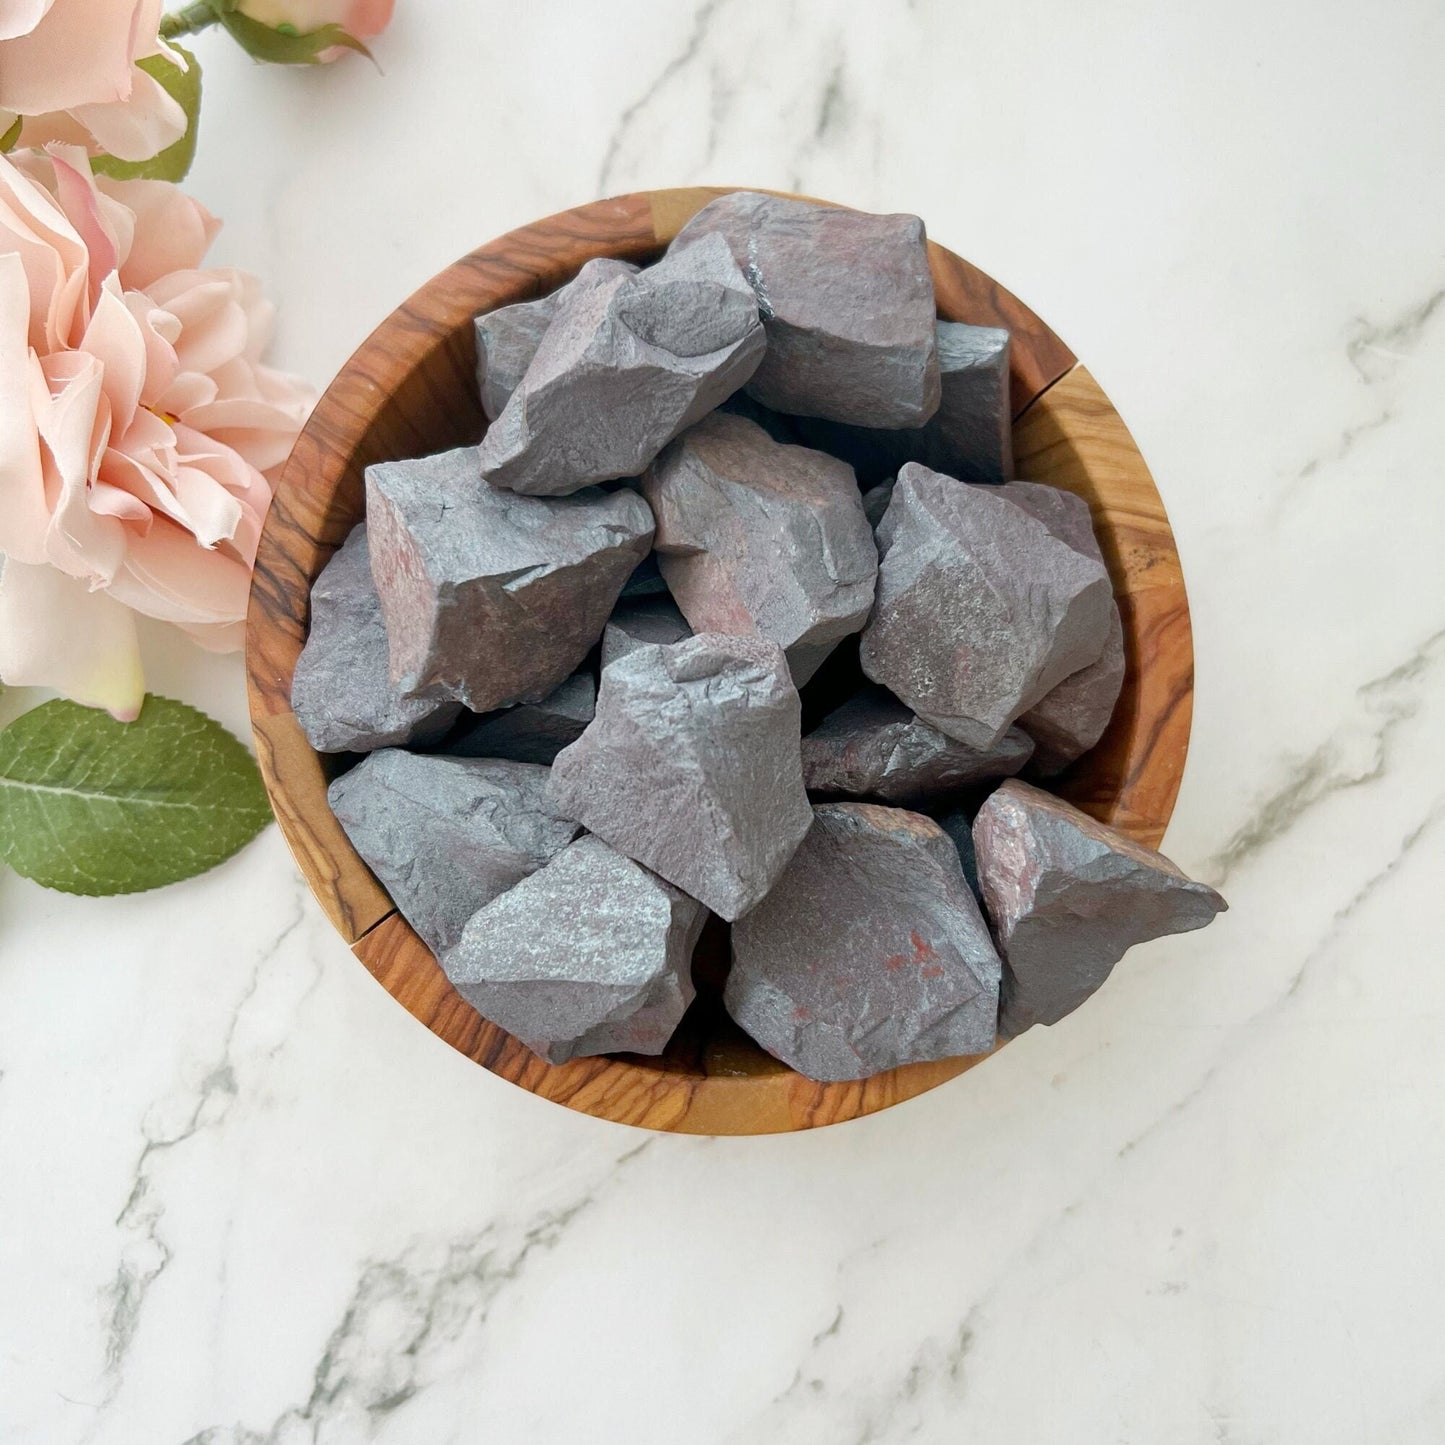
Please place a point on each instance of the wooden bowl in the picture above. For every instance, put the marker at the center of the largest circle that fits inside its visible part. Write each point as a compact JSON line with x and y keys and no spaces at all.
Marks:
{"x":411,"y":390}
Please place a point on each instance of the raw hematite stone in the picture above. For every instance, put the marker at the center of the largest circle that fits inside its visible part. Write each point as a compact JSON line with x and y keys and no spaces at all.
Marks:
{"x":532,"y":732}
{"x":970,"y":436}
{"x":873,"y":747}
{"x":1068,"y":897}
{"x":489,"y":597}
{"x":646,"y":580}
{"x":981,"y":609}
{"x":869,"y":953}
{"x":875,"y":502}
{"x":342,"y":692}
{"x":624,"y":367}
{"x":635,"y":624}
{"x":847,"y":301}
{"x":757,"y":538}
{"x":447,"y":835}
{"x":692,"y":767}
{"x":508,"y":338}
{"x":590,"y":955}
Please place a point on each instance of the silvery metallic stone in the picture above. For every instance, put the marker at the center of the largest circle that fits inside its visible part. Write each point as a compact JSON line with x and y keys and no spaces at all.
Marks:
{"x":869,"y":953}
{"x":875,"y":502}
{"x":1068,"y":721}
{"x":692,"y":767}
{"x":847,"y":301}
{"x":489,"y":597}
{"x":508,"y":338}
{"x":447,"y":835}
{"x":342,"y":692}
{"x":970,"y":436}
{"x":981,"y":609}
{"x":873,"y":747}
{"x":757,"y":538}
{"x":636,"y":624}
{"x":590,"y":955}
{"x":1068,"y":897}
{"x":624,"y":367}
{"x":531,"y":732}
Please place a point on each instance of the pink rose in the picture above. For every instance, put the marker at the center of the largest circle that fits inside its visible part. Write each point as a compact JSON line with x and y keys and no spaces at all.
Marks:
{"x":138,"y":427}
{"x":69,"y":67}
{"x":360,"y":18}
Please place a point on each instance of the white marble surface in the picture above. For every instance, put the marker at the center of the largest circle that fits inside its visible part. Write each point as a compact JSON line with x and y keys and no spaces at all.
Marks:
{"x":244,"y":1198}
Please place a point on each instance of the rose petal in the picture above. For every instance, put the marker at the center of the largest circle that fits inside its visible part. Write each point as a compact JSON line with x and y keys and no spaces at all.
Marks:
{"x":170,"y":231}
{"x":56,"y":633}
{"x":142,"y":125}
{"x":79,"y":53}
{"x":24,"y":515}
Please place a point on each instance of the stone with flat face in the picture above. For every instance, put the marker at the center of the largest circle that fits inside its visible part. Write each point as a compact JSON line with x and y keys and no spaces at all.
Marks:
{"x":342,"y":692}
{"x":1068,"y":897}
{"x":874,"y":747}
{"x":590,"y":955}
{"x":981,"y":609}
{"x":447,"y":835}
{"x":489,"y":597}
{"x":635,"y":624}
{"x":1068,"y":721}
{"x":760,"y":539}
{"x":692,"y":767}
{"x":869,"y":953}
{"x":624,"y":367}
{"x":532,"y":732}
{"x":847,"y":301}
{"x":508,"y":338}
{"x":970,"y":436}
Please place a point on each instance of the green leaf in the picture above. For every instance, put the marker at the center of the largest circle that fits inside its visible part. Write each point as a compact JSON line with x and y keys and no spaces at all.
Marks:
{"x":279,"y":47}
{"x":173,"y":162}
{"x":91,"y":805}
{"x":7,"y":141}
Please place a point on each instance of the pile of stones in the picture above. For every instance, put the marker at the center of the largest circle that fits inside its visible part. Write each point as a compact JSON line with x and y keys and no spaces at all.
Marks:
{"x":754,"y":486}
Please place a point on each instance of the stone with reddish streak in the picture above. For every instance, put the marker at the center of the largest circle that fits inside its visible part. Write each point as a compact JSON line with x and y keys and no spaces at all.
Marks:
{"x":869,"y":953}
{"x":1067,"y":897}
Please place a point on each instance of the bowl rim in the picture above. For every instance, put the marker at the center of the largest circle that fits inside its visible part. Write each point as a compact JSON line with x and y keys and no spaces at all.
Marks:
{"x":1066,"y":432}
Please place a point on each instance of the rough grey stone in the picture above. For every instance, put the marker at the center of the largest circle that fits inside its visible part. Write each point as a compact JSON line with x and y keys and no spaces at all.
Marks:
{"x":1068,"y":721}
{"x":981,"y":609}
{"x":875,"y":502}
{"x":692,"y":767}
{"x":847,"y":301}
{"x":342,"y":692}
{"x":959,"y":827}
{"x":489,"y":597}
{"x":873,"y":747}
{"x":1068,"y":897}
{"x":447,"y":835}
{"x":590,"y":955}
{"x":624,"y":367}
{"x":869,"y":953}
{"x":635,"y":624}
{"x":970,"y":436}
{"x":757,"y":538}
{"x":508,"y":338}
{"x":646,"y":580}
{"x":532,"y":732}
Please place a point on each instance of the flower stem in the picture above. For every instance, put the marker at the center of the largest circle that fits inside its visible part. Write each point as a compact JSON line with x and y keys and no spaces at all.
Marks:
{"x":188,"y":20}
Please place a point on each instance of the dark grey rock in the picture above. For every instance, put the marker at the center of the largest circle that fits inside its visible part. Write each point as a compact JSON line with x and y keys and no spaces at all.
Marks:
{"x":847,"y":301}
{"x":342,"y":692}
{"x":635,"y":624}
{"x":489,"y":597}
{"x":875,"y":502}
{"x":869,"y":953}
{"x":782,"y":429}
{"x":508,"y":338}
{"x":981,"y":609}
{"x":1068,"y":897}
{"x":959,"y":827}
{"x":692,"y":767}
{"x":532,"y":732}
{"x":1068,"y":721}
{"x":624,"y":367}
{"x":447,"y":835}
{"x":873,"y":747}
{"x":757,"y":538}
{"x":646,"y":580}
{"x":970,"y":436}
{"x":590,"y":955}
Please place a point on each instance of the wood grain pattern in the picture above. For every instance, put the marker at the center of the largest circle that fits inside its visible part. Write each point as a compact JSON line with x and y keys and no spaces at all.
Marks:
{"x":410,"y":390}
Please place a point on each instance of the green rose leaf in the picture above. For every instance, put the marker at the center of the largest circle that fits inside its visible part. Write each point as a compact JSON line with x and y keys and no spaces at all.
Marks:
{"x":91,"y":805}
{"x":172,"y":163}
{"x":7,"y":141}
{"x":284,"y":46}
